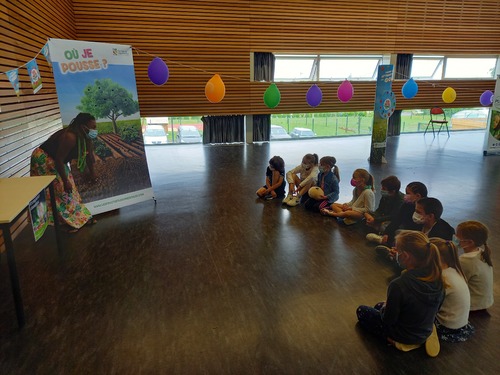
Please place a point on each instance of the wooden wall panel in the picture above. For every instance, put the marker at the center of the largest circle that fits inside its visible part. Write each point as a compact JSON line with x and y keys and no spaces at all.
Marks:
{"x":203,"y":37}
{"x":27,"y":120}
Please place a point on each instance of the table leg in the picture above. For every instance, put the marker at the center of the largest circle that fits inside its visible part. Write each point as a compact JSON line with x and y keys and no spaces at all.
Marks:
{"x":55,"y":218}
{"x":14,"y":279}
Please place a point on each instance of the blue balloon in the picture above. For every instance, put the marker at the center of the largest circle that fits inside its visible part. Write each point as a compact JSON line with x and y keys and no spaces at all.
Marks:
{"x":486,"y":98}
{"x":314,"y":96}
{"x":409,"y":89}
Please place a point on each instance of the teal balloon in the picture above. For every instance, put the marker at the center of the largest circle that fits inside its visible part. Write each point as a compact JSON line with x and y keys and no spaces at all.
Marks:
{"x":272,"y":96}
{"x":409,"y":89}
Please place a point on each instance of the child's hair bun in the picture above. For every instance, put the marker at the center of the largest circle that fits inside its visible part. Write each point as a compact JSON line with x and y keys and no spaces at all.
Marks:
{"x":316,"y":192}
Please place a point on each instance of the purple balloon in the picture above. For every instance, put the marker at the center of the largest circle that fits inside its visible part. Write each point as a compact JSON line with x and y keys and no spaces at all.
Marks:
{"x":486,"y":98}
{"x":158,"y":71}
{"x":314,"y":96}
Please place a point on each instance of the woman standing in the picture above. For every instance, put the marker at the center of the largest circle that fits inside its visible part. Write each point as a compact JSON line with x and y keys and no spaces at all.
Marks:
{"x":52,"y":157}
{"x":406,"y":319}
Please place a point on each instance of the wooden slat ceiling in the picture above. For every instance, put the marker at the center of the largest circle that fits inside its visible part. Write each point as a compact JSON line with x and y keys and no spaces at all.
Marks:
{"x":200,"y":38}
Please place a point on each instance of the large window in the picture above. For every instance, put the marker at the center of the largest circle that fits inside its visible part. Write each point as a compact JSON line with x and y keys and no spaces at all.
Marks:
{"x":470,"y":67}
{"x":295,"y":68}
{"x":340,"y":124}
{"x":442,"y":67}
{"x":326,"y":67}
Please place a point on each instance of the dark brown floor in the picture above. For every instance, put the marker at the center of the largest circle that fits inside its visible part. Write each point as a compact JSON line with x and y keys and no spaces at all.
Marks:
{"x":212,"y":281}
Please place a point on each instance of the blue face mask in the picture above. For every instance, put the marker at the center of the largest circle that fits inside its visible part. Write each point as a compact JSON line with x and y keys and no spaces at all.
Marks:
{"x":384,"y":193}
{"x":456,"y":241}
{"x":92,"y":134}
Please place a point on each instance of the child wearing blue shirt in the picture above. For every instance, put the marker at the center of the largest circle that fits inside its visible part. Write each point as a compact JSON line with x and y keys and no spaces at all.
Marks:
{"x":328,"y":181}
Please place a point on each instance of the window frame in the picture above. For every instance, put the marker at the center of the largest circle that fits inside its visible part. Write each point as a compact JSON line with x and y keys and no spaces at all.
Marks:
{"x":444,"y":62}
{"x":314,"y":74}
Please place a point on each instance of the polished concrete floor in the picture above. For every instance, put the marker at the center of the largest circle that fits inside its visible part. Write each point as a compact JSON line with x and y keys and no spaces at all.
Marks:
{"x":211,"y":280}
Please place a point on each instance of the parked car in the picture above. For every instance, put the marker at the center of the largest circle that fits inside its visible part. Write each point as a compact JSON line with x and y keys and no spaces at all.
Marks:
{"x":474,"y":118}
{"x":278,"y":132}
{"x":302,"y":133}
{"x":155,"y":134}
{"x":188,"y":134}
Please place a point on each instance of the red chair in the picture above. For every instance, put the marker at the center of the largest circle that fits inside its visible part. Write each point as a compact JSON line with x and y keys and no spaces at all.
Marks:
{"x":438,"y":117}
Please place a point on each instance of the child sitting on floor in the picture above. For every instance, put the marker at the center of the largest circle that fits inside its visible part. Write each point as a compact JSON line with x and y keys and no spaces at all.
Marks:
{"x":328,"y":182}
{"x":275,"y":180}
{"x":363,"y":199}
{"x":388,"y":207}
{"x":301,"y":178}
{"x":476,"y":263}
{"x":452,"y":319}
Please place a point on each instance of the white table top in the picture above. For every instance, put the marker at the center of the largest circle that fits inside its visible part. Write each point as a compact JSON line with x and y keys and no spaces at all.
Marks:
{"x":17,"y":192}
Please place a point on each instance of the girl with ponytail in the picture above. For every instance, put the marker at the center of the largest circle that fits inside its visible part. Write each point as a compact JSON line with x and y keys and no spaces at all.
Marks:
{"x":406,"y":319}
{"x":363,"y":199}
{"x":452,"y":320}
{"x":472,"y":237}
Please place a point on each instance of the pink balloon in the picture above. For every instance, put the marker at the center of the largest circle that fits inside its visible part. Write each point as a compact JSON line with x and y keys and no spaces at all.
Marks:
{"x":345,"y":92}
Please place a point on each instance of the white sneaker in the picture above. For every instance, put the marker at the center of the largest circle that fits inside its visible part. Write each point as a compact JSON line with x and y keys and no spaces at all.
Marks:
{"x":372,"y":237}
{"x":288,"y":198}
{"x":294,"y":201}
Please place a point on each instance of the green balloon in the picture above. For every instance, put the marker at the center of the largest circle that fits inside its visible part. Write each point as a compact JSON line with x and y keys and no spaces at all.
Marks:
{"x":272,"y":96}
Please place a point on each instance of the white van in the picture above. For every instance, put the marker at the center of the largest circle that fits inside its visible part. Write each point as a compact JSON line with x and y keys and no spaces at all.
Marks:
{"x":155,"y":135}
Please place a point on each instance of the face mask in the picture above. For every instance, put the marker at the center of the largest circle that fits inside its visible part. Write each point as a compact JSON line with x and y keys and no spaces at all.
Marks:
{"x":408,"y":198}
{"x":384,"y":193}
{"x":271,"y":167}
{"x":354,"y":182}
{"x":417,"y":218}
{"x":322,"y":169}
{"x":92,"y":134}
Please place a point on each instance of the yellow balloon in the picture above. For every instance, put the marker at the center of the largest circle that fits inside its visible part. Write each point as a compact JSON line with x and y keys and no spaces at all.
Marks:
{"x":449,"y":95}
{"x":215,"y":89}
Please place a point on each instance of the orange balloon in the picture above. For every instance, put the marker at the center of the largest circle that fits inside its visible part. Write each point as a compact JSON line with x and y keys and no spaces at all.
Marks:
{"x":215,"y":89}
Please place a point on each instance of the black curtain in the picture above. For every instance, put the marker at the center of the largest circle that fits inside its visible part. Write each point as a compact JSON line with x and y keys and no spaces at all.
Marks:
{"x":403,"y":65}
{"x":223,"y":129}
{"x":403,"y":71}
{"x":261,"y":128}
{"x":263,"y":66}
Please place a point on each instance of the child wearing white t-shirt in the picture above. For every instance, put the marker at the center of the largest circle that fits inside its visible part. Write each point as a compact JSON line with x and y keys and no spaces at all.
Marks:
{"x":476,"y":263}
{"x":452,"y":319}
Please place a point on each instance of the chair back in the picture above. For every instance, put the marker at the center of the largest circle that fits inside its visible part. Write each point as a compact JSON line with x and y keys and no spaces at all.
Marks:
{"x":438,"y":113}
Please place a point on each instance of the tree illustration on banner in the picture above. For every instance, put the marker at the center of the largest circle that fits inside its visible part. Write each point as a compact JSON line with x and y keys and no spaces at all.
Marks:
{"x":107,"y":99}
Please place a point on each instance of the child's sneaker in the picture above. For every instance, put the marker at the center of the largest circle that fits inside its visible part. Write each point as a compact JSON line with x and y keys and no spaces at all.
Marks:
{"x":288,"y":198}
{"x":349,"y":221}
{"x":373,"y":237}
{"x":269,"y":197}
{"x":295,"y":201}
